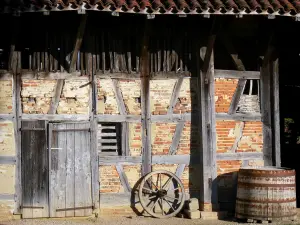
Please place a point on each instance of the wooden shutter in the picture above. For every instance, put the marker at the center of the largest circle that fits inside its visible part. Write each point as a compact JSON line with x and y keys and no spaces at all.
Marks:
{"x":70,"y":170}
{"x":34,"y":170}
{"x":109,"y":137}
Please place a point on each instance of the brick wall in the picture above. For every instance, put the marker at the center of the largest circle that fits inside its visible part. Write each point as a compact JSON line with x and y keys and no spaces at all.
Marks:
{"x":5,"y":96}
{"x":36,"y":96}
{"x":233,"y":137}
{"x":7,"y":172}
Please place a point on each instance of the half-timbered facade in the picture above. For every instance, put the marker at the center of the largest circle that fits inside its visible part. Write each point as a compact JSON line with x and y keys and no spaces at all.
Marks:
{"x":95,"y":94}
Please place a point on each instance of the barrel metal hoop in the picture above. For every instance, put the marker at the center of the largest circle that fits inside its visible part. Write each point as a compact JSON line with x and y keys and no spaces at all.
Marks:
{"x":266,"y":201}
{"x":263,"y":173}
{"x":242,"y":184}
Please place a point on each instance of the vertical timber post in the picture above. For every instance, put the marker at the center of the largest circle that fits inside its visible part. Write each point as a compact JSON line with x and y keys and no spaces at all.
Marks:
{"x":266,"y":107}
{"x":209,"y":197}
{"x":15,"y":67}
{"x":145,"y":101}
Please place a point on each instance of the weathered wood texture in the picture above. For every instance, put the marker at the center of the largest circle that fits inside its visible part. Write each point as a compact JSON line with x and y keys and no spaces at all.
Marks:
{"x":176,"y":138}
{"x":70,"y":170}
{"x":276,"y":112}
{"x":266,"y":106}
{"x":56,"y":98}
{"x":34,"y":170}
{"x":145,"y":101}
{"x":207,"y":128}
{"x":78,"y":42}
{"x":176,"y":159}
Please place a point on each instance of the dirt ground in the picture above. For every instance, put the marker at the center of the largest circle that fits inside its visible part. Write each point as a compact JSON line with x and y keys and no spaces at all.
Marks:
{"x":134,"y":220}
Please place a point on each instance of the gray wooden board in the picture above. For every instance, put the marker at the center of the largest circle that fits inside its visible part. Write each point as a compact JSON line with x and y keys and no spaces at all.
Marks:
{"x":176,"y":159}
{"x":119,"y":97}
{"x":266,"y":107}
{"x":6,"y":197}
{"x":176,"y":138}
{"x":237,"y":96}
{"x":11,"y":160}
{"x":123,"y":178}
{"x":71,"y":193}
{"x":236,"y":74}
{"x":70,"y":173}
{"x":56,"y":98}
{"x":94,"y":165}
{"x":34,"y":170}
{"x":61,"y":117}
{"x":175,"y":95}
{"x":6,"y":117}
{"x":276,"y":114}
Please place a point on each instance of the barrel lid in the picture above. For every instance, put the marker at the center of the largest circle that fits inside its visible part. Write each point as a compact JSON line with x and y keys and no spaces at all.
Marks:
{"x":267,"y":171}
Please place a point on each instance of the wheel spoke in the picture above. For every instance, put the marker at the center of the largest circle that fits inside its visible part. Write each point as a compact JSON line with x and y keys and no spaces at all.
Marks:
{"x":151,"y":197}
{"x":169,"y":204}
{"x":157,"y":180}
{"x":160,"y":182}
{"x":152,"y":207}
{"x":167,"y":184}
{"x":161,"y":206}
{"x":144,"y":188}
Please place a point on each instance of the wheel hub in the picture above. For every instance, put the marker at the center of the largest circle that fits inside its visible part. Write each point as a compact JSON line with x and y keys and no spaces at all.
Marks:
{"x":161,"y":193}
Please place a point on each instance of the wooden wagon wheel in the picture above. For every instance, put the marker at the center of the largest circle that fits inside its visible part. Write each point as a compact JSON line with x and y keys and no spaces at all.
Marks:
{"x":161,"y":194}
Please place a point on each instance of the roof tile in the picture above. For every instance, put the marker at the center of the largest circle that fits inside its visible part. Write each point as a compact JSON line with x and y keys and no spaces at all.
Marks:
{"x":167,"y":6}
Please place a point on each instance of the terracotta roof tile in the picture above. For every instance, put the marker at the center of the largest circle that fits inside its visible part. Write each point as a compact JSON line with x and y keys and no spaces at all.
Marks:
{"x":284,"y":7}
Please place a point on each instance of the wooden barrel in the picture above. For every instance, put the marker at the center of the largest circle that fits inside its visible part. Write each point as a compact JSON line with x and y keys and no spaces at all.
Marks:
{"x":266,"y":193}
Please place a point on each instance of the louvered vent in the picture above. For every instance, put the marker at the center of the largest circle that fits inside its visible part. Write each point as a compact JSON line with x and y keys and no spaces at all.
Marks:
{"x":109,"y":137}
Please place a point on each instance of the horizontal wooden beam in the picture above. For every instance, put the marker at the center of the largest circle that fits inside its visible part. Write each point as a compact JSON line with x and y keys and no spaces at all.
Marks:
{"x":240,"y":156}
{"x":239,"y":116}
{"x":118,"y":118}
{"x":10,"y":160}
{"x":236,"y":74}
{"x":31,"y":75}
{"x":56,"y":117}
{"x":6,"y":116}
{"x":134,"y":118}
{"x":171,"y":118}
{"x":7,"y":197}
{"x":27,"y":74}
{"x":175,"y":159}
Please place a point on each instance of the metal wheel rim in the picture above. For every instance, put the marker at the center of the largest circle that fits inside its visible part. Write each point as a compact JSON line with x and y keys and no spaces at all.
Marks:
{"x":144,"y":204}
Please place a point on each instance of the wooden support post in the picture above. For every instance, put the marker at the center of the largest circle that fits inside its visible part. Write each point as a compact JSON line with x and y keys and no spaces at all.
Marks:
{"x":56,"y":97}
{"x":78,"y":42}
{"x":209,"y":192}
{"x":145,"y":102}
{"x":175,"y":95}
{"x":17,"y":111}
{"x":176,"y":138}
{"x":266,"y":106}
{"x":276,"y":112}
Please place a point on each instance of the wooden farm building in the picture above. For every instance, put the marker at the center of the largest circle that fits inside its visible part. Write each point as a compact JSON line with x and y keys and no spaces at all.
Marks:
{"x":94,"y":94}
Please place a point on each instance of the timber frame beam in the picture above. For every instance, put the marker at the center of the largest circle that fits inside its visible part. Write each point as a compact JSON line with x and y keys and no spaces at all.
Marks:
{"x":209,"y":197}
{"x":145,"y":101}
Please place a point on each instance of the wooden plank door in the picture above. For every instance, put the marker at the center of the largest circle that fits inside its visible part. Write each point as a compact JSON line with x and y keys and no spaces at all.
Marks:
{"x":70,"y":170}
{"x":34,"y":167}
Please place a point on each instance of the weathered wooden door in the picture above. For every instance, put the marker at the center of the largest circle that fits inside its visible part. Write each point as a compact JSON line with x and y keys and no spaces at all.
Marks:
{"x":34,"y":168}
{"x":70,"y":170}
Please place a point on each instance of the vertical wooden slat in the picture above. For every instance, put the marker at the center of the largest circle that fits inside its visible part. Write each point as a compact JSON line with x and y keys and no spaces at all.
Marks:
{"x":86,"y":172}
{"x":95,"y":165}
{"x":103,"y":52}
{"x":276,"y":112}
{"x":60,"y":186}
{"x":125,"y":139}
{"x":70,"y":173}
{"x":34,"y":170}
{"x":53,"y":160}
{"x":79,"y":179}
